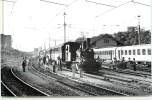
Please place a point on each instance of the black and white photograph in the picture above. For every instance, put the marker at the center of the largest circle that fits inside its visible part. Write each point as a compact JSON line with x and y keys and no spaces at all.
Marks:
{"x":76,"y":48}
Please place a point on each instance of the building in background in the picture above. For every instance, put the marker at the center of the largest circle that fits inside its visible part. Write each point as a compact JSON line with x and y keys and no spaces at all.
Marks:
{"x":103,"y":41}
{"x":6,"y":41}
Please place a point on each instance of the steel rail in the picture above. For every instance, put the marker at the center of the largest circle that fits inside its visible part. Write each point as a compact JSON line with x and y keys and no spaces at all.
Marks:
{"x":28,"y":84}
{"x":82,"y":89}
{"x":93,"y":76}
{"x":94,"y":94}
{"x":8,"y":88}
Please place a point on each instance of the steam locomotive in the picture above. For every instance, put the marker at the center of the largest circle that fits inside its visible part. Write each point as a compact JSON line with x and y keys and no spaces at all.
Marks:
{"x":68,"y":54}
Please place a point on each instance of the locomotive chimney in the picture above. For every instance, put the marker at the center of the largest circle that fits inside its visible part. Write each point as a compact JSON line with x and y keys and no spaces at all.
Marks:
{"x":88,"y":42}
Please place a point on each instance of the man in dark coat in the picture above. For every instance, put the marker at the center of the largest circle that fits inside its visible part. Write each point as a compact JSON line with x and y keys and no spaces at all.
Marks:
{"x":24,"y":64}
{"x":44,"y":60}
{"x":59,"y":63}
{"x":54,"y":66}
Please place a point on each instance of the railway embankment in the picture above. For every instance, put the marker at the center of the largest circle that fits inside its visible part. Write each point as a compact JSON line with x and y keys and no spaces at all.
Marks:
{"x":115,"y":86}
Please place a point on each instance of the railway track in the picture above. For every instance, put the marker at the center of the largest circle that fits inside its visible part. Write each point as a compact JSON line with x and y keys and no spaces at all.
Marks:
{"x":84,"y":87}
{"x":129,"y":72}
{"x":5,"y":91}
{"x":132,"y":83}
{"x":58,"y":79}
{"x":17,"y":86}
{"x":117,"y":74}
{"x":113,"y":76}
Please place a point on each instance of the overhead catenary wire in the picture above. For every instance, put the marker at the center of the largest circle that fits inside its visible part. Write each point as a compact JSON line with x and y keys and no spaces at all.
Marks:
{"x":122,"y":5}
{"x":9,"y":1}
{"x":86,"y":1}
{"x":72,"y":3}
{"x":141,"y":3}
{"x":97,"y":16}
{"x":61,"y":11}
{"x":100,"y":3}
{"x":54,"y":2}
{"x":64,"y":16}
{"x":112,"y":9}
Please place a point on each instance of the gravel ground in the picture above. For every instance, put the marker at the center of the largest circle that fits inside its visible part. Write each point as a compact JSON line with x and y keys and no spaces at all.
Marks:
{"x":79,"y":84}
{"x":51,"y":87}
{"x":117,"y":86}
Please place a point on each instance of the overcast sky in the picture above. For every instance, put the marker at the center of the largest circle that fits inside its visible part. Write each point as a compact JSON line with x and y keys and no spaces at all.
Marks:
{"x":32,"y":22}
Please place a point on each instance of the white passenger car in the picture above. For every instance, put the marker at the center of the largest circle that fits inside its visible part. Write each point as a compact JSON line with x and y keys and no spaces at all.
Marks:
{"x":141,"y":53}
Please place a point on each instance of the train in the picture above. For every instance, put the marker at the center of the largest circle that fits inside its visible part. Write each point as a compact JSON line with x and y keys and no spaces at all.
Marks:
{"x":71,"y":52}
{"x":67,"y":51}
{"x":141,"y":54}
{"x":68,"y":54}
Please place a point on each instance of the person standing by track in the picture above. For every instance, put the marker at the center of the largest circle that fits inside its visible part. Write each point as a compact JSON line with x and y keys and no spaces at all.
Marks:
{"x":24,"y":63}
{"x":115,"y":63}
{"x":79,"y":60}
{"x":134,"y":64}
{"x":129,"y":63}
{"x":59,"y":63}
{"x":44,"y":60}
{"x":54,"y":66}
{"x":73,"y":66}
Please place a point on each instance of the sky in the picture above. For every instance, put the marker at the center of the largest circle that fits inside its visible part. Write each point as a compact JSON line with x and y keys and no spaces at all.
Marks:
{"x":33,"y":23}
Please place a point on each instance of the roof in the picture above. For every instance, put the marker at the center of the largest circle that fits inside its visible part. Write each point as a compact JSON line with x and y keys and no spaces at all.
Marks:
{"x":70,"y":43}
{"x":96,"y":38}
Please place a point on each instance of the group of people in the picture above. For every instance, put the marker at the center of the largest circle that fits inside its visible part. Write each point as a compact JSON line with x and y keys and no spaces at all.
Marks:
{"x":46,"y":61}
{"x":122,"y":64}
{"x":131,"y":64}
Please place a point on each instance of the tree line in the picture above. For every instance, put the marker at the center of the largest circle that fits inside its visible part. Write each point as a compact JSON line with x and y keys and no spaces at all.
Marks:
{"x":126,"y":38}
{"x":132,"y":38}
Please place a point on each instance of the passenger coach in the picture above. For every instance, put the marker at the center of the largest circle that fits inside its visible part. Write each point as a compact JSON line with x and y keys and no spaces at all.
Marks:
{"x":141,"y":53}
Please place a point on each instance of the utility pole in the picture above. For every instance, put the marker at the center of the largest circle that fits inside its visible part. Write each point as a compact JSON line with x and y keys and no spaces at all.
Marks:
{"x":63,"y":14}
{"x":139,"y":29}
{"x":64,"y":27}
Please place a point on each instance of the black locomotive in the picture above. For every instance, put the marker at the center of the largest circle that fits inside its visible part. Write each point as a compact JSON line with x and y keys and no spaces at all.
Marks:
{"x":86,"y":57}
